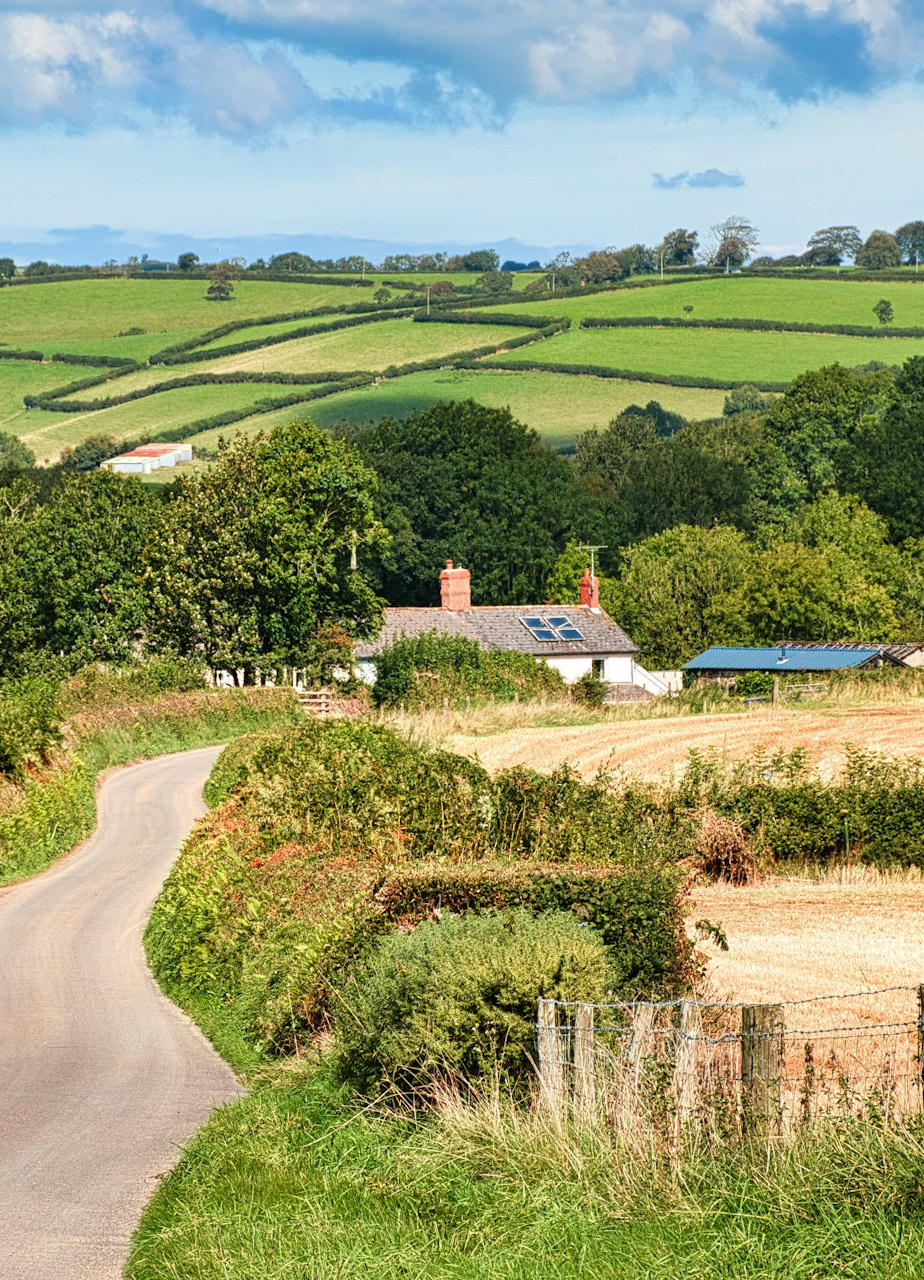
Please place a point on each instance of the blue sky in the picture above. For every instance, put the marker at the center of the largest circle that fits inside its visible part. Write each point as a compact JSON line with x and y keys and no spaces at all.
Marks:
{"x":555,"y":122}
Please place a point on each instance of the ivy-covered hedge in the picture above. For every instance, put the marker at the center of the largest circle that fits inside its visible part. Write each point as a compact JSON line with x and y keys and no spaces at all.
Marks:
{"x":504,"y":317}
{"x":335,"y":834}
{"x":10,"y":353}
{"x":422,"y":671}
{"x":760,"y":326}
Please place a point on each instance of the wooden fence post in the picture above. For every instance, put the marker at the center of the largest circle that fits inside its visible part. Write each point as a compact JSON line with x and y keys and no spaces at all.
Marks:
{"x":761,"y":1063}
{"x":551,"y":1078}
{"x":685,"y":1064}
{"x":921,"y":1042}
{"x":585,"y":1090}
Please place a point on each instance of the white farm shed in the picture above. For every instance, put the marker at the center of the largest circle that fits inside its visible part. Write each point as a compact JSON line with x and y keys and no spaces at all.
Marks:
{"x":149,"y":457}
{"x":575,"y":639}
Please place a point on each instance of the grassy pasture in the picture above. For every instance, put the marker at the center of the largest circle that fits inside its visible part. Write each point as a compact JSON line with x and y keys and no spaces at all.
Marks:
{"x":20,"y":378}
{"x":802,"y":301}
{"x":95,"y":311}
{"x":49,"y":432}
{"x":374,"y":346}
{"x":722,"y":354}
{"x":558,"y":406}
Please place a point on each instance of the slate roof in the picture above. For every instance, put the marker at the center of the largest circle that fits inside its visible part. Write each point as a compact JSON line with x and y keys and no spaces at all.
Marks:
{"x":500,"y":627}
{"x":784,"y":658}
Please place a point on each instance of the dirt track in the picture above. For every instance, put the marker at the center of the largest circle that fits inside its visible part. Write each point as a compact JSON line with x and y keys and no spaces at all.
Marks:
{"x":660,"y":747}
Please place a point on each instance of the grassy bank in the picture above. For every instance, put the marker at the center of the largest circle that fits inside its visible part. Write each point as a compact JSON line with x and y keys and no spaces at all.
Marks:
{"x":54,"y":809}
{"x":297,"y":1181}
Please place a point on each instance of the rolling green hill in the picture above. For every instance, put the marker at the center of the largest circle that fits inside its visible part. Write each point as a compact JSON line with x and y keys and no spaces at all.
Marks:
{"x":138,"y":320}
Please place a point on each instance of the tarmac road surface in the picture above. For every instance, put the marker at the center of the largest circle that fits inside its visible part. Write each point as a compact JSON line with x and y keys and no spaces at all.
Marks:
{"x":102,"y":1079}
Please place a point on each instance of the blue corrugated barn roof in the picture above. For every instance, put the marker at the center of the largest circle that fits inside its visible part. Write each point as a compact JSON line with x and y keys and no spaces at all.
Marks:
{"x":781,"y":658}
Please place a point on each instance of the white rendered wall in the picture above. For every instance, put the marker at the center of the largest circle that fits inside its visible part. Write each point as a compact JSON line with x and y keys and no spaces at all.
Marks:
{"x":617,"y":668}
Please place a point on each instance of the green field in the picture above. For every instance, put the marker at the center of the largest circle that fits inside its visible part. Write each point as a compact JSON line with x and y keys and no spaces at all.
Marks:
{"x":47,"y":434}
{"x":96,"y":311}
{"x":713,"y":353}
{"x":737,"y":297}
{"x":86,"y":317}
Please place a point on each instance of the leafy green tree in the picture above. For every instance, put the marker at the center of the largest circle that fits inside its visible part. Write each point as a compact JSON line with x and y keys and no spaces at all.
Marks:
{"x":87,"y":455}
{"x":7,"y":268}
{"x":678,"y":248}
{"x":879,"y":252}
{"x":381,"y":294}
{"x":14,"y":456}
{"x":598,"y":267}
{"x":494,"y":282}
{"x":910,"y":239}
{"x":563,"y":585}
{"x":187,"y":261}
{"x":683,"y":590}
{"x":818,"y":417}
{"x":884,"y":311}
{"x":830,"y":246}
{"x":221,"y":280}
{"x":885,"y":464}
{"x":746,"y":398}
{"x":463,"y":481}
{"x":73,"y":554}
{"x":251,"y":564}
{"x":636,"y":259}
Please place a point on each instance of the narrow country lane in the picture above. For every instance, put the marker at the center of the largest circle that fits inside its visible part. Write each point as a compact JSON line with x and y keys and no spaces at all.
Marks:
{"x":102,"y":1079}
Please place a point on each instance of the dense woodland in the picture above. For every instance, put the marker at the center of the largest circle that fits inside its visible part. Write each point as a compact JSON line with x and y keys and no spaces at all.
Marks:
{"x":795,"y":518}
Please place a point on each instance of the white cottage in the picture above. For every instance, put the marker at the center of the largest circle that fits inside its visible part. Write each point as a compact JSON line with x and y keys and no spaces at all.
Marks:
{"x":575,"y":639}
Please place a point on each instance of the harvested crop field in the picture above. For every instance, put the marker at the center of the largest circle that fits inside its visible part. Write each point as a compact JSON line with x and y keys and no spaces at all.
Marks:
{"x":659,"y":748}
{"x":799,"y":940}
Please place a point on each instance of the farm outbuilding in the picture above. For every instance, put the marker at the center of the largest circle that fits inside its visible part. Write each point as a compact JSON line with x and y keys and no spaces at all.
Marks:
{"x":575,"y":639}
{"x":726,"y":662}
{"x":149,"y":457}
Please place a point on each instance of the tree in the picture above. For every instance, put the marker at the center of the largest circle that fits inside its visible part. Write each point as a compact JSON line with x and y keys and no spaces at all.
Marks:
{"x":885,"y":463}
{"x":910,"y":239}
{"x":39,"y":268}
{"x":879,"y":252}
{"x":381,"y":294}
{"x":87,"y":455}
{"x":494,"y":282}
{"x":76,"y":551}
{"x":251,"y":565}
{"x":7,"y":268}
{"x":746,"y":398}
{"x":636,"y":259}
{"x":830,"y":246}
{"x":600,"y":266}
{"x":731,"y":242}
{"x":819,"y":415}
{"x":678,"y":248}
{"x":683,"y":590}
{"x":221,"y":280}
{"x":463,"y":481}
{"x":481,"y":260}
{"x":187,"y":261}
{"x":14,"y":456}
{"x":884,"y":311}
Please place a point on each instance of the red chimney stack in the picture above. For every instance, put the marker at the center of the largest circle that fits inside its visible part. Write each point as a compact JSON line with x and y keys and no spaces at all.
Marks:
{"x":590,"y":590}
{"x":455,"y":587}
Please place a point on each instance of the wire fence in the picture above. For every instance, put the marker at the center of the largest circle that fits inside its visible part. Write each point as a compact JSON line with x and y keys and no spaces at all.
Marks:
{"x":731,"y":1067}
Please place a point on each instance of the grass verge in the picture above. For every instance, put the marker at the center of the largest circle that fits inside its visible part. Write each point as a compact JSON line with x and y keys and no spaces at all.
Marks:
{"x":297,"y":1181}
{"x":54,"y":810}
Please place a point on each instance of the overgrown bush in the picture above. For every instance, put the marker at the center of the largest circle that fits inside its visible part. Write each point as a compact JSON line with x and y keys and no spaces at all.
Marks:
{"x":30,"y":724}
{"x":590,"y":690}
{"x":753,"y":684}
{"x":458,"y":997}
{"x":423,"y":670}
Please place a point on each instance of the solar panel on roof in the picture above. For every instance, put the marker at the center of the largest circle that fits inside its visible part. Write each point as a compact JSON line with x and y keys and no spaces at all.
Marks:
{"x":549,"y":629}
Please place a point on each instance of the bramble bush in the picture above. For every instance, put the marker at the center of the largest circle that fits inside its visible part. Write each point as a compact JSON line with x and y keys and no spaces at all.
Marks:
{"x":457,"y":997}
{"x":30,"y":724}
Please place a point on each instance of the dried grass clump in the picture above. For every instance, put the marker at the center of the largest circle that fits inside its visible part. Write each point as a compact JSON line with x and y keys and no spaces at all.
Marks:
{"x":723,"y":852}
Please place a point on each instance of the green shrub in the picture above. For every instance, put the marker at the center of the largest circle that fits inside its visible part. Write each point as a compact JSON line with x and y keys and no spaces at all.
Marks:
{"x":753,"y":684}
{"x":590,"y":690}
{"x":30,"y":724}
{"x":459,"y":997}
{"x":423,"y":670}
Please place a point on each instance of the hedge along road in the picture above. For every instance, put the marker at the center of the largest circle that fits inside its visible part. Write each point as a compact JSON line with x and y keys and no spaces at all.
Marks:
{"x":102,"y":1079}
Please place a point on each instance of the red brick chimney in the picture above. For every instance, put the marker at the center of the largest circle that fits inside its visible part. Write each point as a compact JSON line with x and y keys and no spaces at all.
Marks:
{"x":455,"y":587}
{"x":590,"y":590}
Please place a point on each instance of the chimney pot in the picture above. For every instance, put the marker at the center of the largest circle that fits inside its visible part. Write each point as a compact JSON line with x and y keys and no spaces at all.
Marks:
{"x":455,"y":587}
